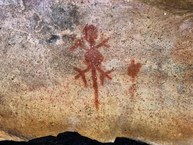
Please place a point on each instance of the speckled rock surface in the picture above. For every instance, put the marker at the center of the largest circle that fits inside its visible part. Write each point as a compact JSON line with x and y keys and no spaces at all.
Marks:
{"x":150,"y":50}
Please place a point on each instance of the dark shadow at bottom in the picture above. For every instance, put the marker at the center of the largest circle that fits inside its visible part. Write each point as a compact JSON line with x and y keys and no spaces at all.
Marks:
{"x":72,"y":138}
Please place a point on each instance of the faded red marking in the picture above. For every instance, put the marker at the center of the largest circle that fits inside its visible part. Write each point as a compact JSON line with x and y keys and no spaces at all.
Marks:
{"x":132,"y":90}
{"x":133,"y":70}
{"x":93,"y":58}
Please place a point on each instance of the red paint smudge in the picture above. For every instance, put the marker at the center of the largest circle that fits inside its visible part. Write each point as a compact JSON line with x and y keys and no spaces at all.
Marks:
{"x":133,"y":70}
{"x":92,"y":58}
{"x":132,"y":90}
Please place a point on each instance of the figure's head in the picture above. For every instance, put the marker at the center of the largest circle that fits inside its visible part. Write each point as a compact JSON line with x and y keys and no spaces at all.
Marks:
{"x":90,"y":33}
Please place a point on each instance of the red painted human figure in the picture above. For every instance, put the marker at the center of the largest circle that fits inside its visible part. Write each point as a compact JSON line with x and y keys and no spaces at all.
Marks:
{"x":92,"y":58}
{"x":133,"y":70}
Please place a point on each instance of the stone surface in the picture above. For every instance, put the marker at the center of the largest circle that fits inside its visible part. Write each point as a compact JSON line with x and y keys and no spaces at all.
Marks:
{"x":150,"y":52}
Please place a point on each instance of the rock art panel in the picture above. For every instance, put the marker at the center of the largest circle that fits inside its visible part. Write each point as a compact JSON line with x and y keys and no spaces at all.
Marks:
{"x":92,"y":58}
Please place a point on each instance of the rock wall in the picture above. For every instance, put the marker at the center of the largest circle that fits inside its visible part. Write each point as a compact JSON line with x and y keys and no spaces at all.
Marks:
{"x":101,"y":68}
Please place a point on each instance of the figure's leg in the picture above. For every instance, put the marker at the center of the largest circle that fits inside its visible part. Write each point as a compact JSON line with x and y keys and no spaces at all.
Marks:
{"x":103,"y":74}
{"x":95,"y":86}
{"x":81,"y":73}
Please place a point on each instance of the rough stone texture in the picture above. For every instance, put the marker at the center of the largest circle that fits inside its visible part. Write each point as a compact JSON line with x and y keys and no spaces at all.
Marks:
{"x":39,"y":95}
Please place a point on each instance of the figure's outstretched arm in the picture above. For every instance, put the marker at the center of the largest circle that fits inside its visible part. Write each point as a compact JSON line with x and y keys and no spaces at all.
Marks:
{"x":78,"y":43}
{"x":104,"y":43}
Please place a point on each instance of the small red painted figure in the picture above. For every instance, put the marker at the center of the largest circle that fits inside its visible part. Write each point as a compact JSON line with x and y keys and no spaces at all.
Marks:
{"x":92,"y":58}
{"x":133,"y":70}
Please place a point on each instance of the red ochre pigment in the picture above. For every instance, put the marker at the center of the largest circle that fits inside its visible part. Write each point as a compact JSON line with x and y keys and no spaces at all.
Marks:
{"x":92,"y":58}
{"x":133,"y":70}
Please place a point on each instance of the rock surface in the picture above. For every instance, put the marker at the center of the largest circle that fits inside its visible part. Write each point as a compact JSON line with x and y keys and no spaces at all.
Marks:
{"x":148,"y":45}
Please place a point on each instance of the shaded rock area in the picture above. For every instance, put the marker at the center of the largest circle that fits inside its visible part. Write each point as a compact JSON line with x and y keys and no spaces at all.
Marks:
{"x":179,"y":7}
{"x":71,"y":138}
